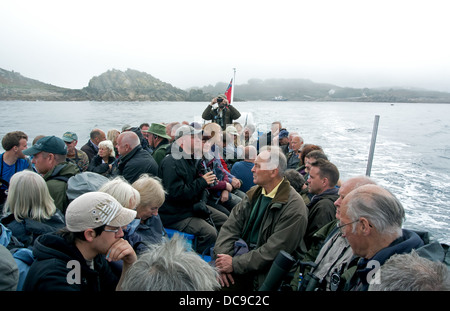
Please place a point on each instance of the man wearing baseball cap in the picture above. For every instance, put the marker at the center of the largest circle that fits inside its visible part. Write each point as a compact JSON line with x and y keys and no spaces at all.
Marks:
{"x":185,"y":206}
{"x":49,"y":157}
{"x":76,"y":259}
{"x":74,"y":155}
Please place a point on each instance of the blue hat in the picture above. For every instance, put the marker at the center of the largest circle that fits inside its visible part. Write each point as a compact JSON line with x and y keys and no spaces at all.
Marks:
{"x":283,"y":134}
{"x":50,"y":144}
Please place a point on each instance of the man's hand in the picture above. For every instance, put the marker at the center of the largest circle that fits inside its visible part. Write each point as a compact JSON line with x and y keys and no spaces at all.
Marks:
{"x":224,"y":263}
{"x":225,"y":279}
{"x":236,"y":183}
{"x":209,"y":177}
{"x":121,"y":250}
{"x":224,"y":196}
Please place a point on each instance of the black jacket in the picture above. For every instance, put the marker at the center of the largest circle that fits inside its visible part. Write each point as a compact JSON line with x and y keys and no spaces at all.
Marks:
{"x":98,"y":167}
{"x":134,"y":164}
{"x":184,"y":186}
{"x":51,"y":270}
{"x":28,"y":230}
{"x":90,"y":149}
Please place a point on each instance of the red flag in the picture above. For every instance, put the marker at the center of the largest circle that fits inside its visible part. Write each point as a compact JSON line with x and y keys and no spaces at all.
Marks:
{"x":228,"y":91}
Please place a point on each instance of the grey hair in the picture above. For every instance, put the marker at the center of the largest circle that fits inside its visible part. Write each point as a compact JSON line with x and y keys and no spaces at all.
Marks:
{"x":276,"y":157}
{"x":170,"y":266}
{"x":410,"y":272}
{"x":108,"y":144}
{"x":379,"y":206}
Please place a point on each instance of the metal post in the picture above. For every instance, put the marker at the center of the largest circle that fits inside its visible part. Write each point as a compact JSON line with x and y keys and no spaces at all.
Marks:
{"x":372,"y":144}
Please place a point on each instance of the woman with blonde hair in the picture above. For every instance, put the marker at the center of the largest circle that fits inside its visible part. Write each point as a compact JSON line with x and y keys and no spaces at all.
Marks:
{"x":153,"y":196}
{"x":130,"y":198}
{"x":112,"y":136}
{"x":29,"y":210}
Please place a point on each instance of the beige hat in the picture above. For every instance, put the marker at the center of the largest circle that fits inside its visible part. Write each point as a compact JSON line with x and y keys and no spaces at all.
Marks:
{"x":231,"y":130}
{"x":95,"y":209}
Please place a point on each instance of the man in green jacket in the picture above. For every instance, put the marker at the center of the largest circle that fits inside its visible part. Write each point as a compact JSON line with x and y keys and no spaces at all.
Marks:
{"x":49,"y":157}
{"x":158,"y":140}
{"x":272,"y":217}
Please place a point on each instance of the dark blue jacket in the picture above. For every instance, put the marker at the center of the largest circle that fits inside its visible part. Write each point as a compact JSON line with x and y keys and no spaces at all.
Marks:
{"x":365,"y":267}
{"x":50,"y":271}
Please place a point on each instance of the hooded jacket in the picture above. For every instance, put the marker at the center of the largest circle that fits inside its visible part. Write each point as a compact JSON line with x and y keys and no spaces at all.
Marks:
{"x":56,"y":180}
{"x":365,"y":268}
{"x":52,"y":269}
{"x":184,"y":186}
{"x":282,"y":228}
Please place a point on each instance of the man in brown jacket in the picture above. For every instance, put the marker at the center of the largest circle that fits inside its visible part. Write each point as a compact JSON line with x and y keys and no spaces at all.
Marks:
{"x":273,"y":217}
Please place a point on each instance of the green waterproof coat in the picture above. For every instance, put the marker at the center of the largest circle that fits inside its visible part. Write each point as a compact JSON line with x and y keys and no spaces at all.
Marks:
{"x":283,"y":226}
{"x":56,"y":180}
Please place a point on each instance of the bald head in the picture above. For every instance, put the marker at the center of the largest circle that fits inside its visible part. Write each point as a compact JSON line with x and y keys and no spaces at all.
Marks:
{"x":348,"y":186}
{"x":126,"y":142}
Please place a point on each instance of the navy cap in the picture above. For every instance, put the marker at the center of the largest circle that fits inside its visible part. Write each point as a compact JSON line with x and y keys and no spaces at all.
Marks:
{"x":50,"y":144}
{"x":283,"y":133}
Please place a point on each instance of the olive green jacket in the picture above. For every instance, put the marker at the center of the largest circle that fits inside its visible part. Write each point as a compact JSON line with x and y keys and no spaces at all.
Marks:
{"x":56,"y":180}
{"x":282,"y":228}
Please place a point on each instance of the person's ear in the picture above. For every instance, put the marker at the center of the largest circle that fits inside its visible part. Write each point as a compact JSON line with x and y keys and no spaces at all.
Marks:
{"x":89,"y":235}
{"x":366,"y":227}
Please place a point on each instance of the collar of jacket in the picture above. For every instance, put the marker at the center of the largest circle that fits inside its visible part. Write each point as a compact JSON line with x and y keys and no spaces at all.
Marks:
{"x":130,"y":154}
{"x":281,"y":197}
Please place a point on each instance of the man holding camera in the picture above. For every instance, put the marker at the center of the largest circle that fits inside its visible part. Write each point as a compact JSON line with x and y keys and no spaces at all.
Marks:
{"x":224,"y":114}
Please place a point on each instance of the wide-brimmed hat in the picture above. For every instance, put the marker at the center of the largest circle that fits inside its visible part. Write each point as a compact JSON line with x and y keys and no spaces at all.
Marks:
{"x":95,"y":209}
{"x":159,"y":130}
{"x":50,"y":144}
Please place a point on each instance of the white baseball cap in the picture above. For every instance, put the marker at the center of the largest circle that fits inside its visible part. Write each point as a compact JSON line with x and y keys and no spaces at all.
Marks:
{"x":95,"y":209}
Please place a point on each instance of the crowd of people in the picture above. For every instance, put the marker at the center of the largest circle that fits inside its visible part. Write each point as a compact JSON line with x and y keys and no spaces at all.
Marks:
{"x":96,"y":217}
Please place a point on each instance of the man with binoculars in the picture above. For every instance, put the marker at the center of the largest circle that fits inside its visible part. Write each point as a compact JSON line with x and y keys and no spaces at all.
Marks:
{"x":224,"y":114}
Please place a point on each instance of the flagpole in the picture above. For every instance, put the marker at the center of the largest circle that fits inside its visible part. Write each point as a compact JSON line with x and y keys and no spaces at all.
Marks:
{"x":233,"y":85}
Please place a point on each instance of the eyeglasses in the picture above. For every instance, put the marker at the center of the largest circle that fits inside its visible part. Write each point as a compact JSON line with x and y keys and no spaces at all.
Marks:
{"x":115,"y":230}
{"x":342,"y":226}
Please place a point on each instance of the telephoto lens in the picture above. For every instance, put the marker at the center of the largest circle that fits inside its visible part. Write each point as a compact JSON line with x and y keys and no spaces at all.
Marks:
{"x":280,"y":267}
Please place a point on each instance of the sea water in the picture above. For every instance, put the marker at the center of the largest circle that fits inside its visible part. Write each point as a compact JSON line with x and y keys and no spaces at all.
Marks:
{"x":411,"y":156}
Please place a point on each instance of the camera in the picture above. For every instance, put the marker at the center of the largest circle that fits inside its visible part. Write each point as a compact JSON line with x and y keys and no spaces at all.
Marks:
{"x":219,"y":99}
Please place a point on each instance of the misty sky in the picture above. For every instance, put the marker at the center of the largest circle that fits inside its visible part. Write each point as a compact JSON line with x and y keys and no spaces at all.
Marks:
{"x":360,"y":43}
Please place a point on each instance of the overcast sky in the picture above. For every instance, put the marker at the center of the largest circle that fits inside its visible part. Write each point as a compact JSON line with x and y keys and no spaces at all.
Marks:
{"x":361,"y":43}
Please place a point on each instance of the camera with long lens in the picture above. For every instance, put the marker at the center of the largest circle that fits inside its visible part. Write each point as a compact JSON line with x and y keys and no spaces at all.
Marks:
{"x":280,"y":274}
{"x":219,"y":100}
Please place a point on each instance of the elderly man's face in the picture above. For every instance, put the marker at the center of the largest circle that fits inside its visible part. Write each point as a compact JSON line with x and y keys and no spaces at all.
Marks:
{"x":263,"y":170}
{"x":354,"y":237}
{"x":121,"y":146}
{"x":295,"y":143}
